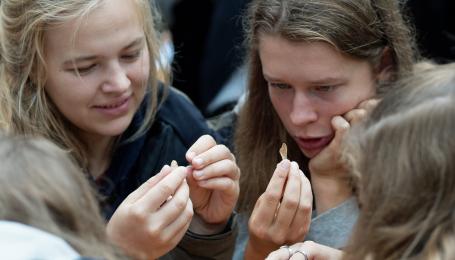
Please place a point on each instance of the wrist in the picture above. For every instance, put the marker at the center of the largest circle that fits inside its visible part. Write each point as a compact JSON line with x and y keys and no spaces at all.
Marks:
{"x":255,"y":252}
{"x":200,"y":227}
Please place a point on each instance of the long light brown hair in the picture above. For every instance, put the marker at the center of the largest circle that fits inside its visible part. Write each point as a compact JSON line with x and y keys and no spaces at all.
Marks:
{"x":25,"y":106}
{"x":359,"y":28}
{"x":40,"y":186}
{"x":403,"y":163}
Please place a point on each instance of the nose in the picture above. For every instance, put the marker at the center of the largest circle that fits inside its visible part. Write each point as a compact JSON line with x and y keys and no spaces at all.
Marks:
{"x":117,"y":79}
{"x":304,"y":109}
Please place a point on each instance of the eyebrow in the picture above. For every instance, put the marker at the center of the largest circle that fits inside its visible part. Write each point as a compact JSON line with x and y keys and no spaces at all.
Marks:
{"x":138,"y":41}
{"x":311,"y":82}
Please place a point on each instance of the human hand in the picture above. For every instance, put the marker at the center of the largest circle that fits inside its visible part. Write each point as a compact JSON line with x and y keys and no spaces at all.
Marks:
{"x":307,"y":250}
{"x":328,"y":161}
{"x":282,"y":214}
{"x":329,"y":173}
{"x":214,"y":185}
{"x":149,"y":222}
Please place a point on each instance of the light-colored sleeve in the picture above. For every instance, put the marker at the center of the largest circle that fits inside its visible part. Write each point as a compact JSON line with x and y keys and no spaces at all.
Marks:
{"x":334,"y":227}
{"x":23,"y":242}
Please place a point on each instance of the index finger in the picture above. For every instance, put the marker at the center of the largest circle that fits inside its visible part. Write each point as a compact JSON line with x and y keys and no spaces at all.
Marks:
{"x":149,"y":184}
{"x":202,"y":144}
{"x":268,"y":202}
{"x":158,"y":194}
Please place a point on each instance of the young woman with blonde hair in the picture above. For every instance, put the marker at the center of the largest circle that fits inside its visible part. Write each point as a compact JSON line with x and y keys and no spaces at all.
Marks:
{"x":84,"y":74}
{"x":315,"y":68}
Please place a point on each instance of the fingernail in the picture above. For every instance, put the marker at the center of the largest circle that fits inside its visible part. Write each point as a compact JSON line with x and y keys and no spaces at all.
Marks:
{"x":198,"y":161}
{"x":165,"y":167}
{"x":174,"y":164}
{"x":198,"y":174}
{"x":190,"y":155}
{"x":341,"y":122}
{"x":284,"y":164}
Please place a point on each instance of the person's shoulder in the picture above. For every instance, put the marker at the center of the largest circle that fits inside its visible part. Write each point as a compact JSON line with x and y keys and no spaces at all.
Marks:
{"x":178,"y":112}
{"x":20,"y":241}
{"x":177,"y":103}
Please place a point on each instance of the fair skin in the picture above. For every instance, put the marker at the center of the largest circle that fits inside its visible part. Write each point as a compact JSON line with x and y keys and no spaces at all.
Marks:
{"x":97,"y":79}
{"x":317,"y":93}
{"x":310,"y":249}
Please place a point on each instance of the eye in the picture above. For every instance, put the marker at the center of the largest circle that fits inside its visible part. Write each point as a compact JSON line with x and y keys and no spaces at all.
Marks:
{"x":279,"y":85}
{"x":131,"y":56}
{"x":326,"y":88}
{"x":84,"y":70}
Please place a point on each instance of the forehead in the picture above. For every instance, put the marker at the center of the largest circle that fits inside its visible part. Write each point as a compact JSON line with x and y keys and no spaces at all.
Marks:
{"x":282,"y":58}
{"x":112,"y":21}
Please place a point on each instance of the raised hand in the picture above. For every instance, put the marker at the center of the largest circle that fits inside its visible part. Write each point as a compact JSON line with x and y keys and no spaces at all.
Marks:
{"x":328,"y":172}
{"x":214,"y":185}
{"x":153,"y":219}
{"x":282,"y":213}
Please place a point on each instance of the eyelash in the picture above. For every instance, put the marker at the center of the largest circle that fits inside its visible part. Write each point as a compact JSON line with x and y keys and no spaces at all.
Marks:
{"x":84,"y":70}
{"x":279,"y":85}
{"x":326,"y":88}
{"x":87,"y":69}
{"x":132,"y":56}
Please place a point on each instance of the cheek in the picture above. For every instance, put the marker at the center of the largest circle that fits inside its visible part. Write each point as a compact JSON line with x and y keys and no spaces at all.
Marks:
{"x":65,"y":91}
{"x":281,"y":100}
{"x":351,"y":99}
{"x":141,"y":70}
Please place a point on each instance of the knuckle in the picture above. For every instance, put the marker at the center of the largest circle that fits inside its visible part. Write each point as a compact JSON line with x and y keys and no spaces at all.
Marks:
{"x":270,"y":197}
{"x":153,"y":232}
{"x":290,"y":203}
{"x":209,"y":139}
{"x":260,"y":233}
{"x":137,"y":214}
{"x":223,"y":148}
{"x":309,"y":243}
{"x":179,"y":204}
{"x":166,"y":189}
{"x":305,"y":208}
{"x":189,"y":213}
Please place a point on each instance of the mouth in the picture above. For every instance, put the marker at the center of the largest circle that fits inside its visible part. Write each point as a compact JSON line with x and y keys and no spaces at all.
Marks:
{"x":312,"y":146}
{"x":113,"y":105}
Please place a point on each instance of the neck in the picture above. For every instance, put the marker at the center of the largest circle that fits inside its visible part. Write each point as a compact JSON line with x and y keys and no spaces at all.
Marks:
{"x":99,"y":150}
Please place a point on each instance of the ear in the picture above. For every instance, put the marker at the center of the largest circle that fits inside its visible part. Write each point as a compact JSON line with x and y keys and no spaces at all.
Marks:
{"x":386,"y":66}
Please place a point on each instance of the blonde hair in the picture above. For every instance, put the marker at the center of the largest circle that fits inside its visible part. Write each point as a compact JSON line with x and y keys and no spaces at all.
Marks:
{"x":40,"y":186}
{"x":403,"y":166}
{"x":362,"y":29}
{"x":27,"y":108}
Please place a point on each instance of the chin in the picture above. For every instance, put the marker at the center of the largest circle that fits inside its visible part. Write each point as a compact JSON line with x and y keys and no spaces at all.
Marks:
{"x":116,"y":128}
{"x":310,"y":153}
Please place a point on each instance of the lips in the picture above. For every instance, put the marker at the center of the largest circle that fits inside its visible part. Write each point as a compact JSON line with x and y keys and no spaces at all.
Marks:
{"x":113,"y":105}
{"x":312,"y":146}
{"x":114,"y":109}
